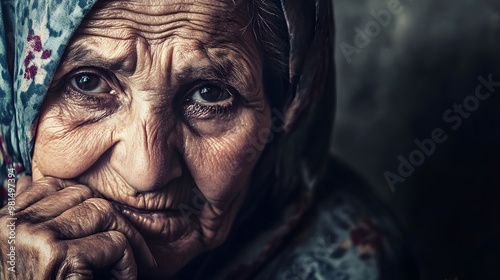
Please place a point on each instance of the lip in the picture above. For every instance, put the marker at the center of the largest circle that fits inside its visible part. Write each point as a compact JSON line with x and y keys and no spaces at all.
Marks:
{"x":165,"y":224}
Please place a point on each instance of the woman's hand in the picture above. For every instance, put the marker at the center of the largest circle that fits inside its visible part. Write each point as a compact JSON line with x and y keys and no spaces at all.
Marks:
{"x":63,"y":230}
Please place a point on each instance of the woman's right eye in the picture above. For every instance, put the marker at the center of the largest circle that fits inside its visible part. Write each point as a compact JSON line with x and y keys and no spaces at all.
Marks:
{"x":89,"y":83}
{"x":90,"y":88}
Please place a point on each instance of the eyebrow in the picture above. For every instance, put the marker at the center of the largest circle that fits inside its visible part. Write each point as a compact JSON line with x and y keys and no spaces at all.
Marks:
{"x":82,"y":56}
{"x":212,"y":72}
{"x":220,"y":68}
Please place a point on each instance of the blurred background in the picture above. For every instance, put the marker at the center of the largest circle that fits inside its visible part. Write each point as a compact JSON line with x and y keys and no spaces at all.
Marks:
{"x":404,"y":70}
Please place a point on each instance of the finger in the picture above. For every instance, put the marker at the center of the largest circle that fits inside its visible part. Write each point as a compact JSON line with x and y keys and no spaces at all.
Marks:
{"x":54,"y":205}
{"x":109,"y":249}
{"x":98,"y":215}
{"x":40,"y":189}
{"x":22,"y":184}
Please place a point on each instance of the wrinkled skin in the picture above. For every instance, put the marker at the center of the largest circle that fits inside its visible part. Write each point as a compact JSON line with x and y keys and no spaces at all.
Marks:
{"x":156,"y":108}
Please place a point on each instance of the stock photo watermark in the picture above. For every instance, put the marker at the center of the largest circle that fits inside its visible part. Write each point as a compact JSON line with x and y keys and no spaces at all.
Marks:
{"x":453,"y":117}
{"x":11,"y":221}
{"x":373,"y":28}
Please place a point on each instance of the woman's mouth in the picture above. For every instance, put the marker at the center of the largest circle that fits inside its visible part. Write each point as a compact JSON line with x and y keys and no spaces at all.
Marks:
{"x":167,"y":224}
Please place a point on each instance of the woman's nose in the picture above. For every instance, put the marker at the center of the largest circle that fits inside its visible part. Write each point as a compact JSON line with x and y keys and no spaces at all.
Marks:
{"x":144,"y":155}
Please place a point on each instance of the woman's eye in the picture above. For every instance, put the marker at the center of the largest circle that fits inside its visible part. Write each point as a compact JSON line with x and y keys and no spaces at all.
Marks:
{"x":90,"y":83}
{"x":208,"y":101}
{"x":210,"y":94}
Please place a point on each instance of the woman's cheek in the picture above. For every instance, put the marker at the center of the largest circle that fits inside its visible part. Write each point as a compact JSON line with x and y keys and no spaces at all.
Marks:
{"x":221,"y":165}
{"x":65,"y":151}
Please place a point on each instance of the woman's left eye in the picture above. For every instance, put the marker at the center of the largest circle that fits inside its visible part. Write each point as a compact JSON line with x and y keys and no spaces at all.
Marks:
{"x":89,"y":83}
{"x":210,"y":94}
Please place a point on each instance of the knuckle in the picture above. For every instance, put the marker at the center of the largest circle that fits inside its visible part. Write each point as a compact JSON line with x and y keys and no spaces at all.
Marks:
{"x":42,"y":240}
{"x":70,"y":265}
{"x":102,"y":205}
{"x":45,"y":185}
{"x":57,"y":229}
{"x":41,"y":246}
{"x":50,"y":251}
{"x":83,"y":190}
{"x":65,"y":268}
{"x":118,"y":238}
{"x":51,"y":182}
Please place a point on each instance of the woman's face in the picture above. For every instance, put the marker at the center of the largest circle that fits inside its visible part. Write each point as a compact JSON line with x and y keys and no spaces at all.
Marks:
{"x":158,"y":107}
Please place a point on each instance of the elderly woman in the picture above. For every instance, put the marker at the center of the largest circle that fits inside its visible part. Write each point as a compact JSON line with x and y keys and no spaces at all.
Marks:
{"x":183,"y":138}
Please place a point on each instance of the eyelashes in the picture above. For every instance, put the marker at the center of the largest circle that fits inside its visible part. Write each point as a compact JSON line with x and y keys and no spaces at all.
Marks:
{"x":209,"y":99}
{"x":98,"y":89}
{"x":195,"y":110}
{"x":89,"y":83}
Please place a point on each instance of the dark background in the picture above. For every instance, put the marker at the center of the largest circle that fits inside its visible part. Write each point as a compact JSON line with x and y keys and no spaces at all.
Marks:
{"x":395,"y":90}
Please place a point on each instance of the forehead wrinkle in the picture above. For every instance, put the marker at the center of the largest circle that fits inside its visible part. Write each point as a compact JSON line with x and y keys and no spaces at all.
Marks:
{"x":161,"y":20}
{"x":169,"y":61}
{"x":159,"y":7}
{"x":154,"y":68}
